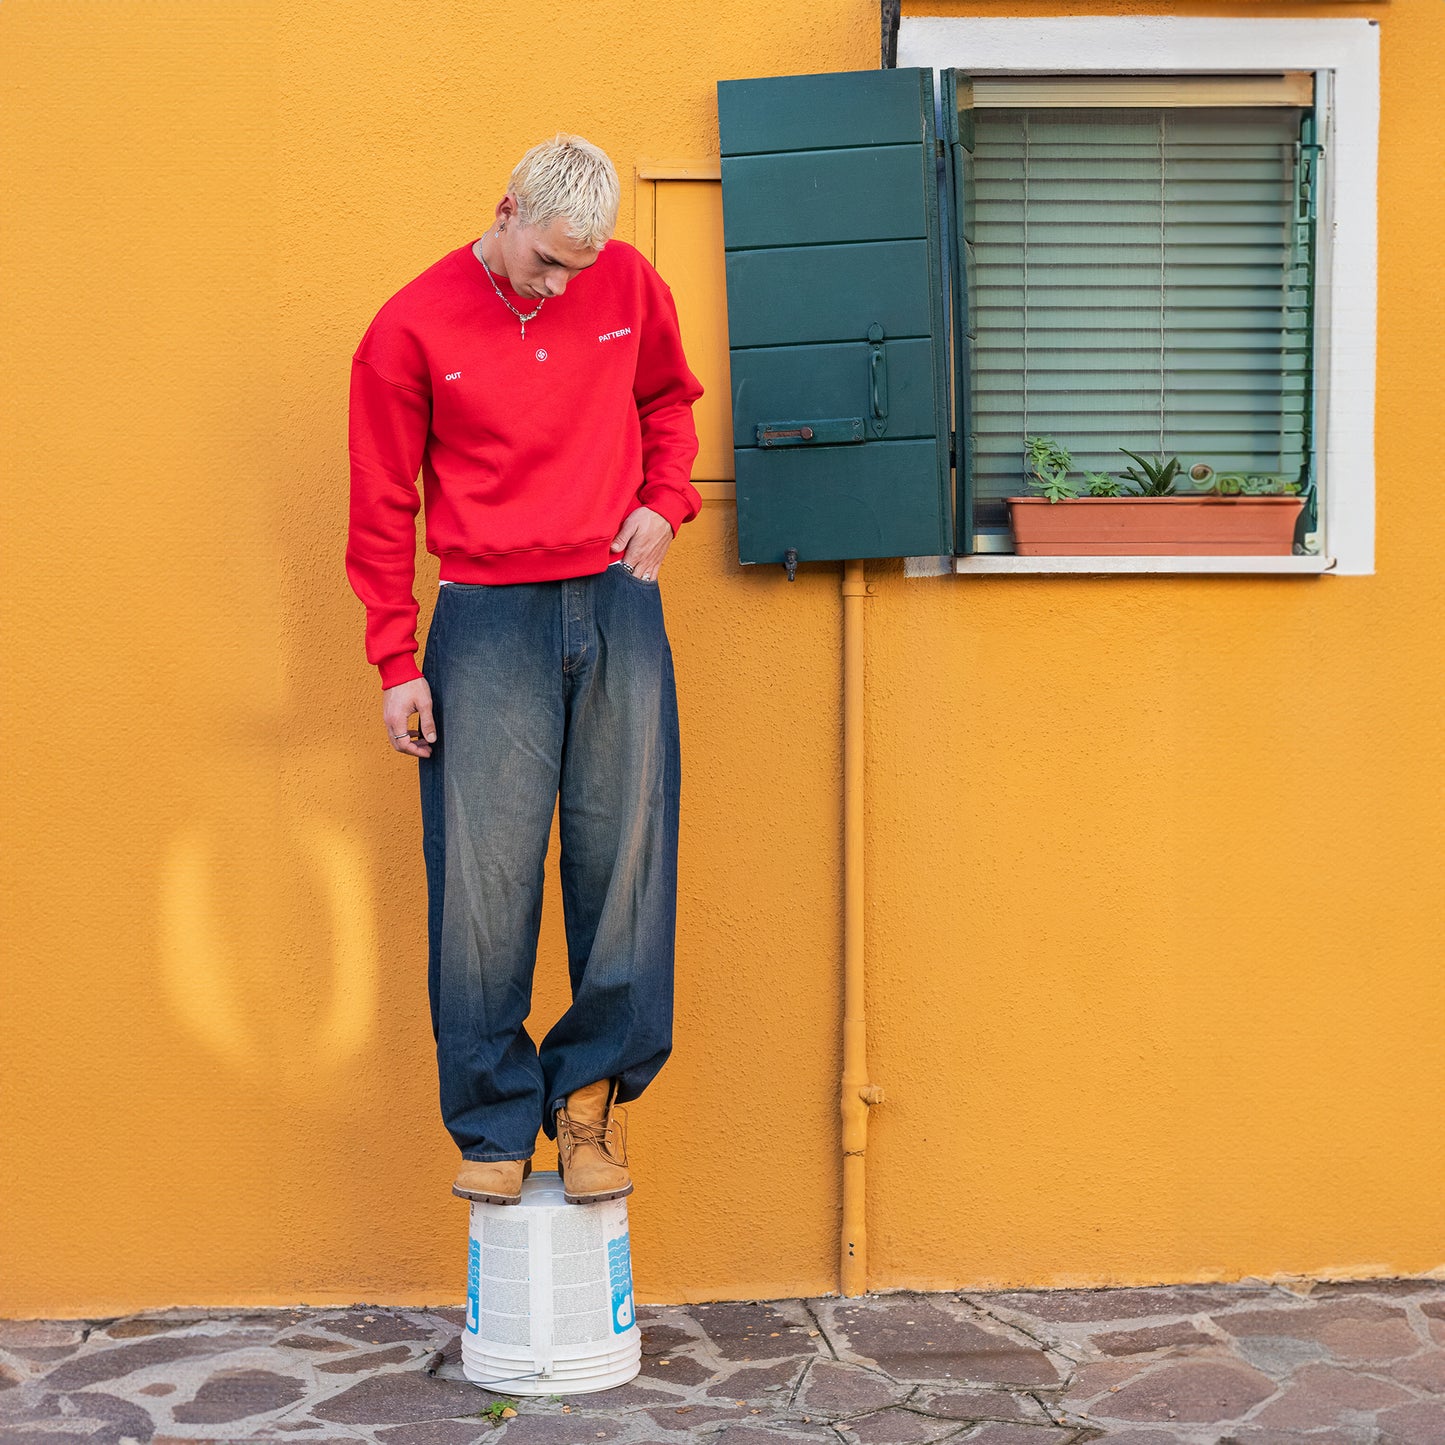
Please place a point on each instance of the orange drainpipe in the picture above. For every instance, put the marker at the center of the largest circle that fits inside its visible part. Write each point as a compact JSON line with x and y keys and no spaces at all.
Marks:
{"x":857,"y":1095}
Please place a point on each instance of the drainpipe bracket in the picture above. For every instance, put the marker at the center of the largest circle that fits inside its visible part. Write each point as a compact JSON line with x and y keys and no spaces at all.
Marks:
{"x":871,"y":1094}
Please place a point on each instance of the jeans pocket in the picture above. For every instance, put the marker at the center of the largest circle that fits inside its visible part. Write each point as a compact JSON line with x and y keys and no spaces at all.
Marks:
{"x":632,"y":576}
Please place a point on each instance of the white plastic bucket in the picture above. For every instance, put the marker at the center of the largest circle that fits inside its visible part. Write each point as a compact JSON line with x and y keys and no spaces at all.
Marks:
{"x":549,"y":1295}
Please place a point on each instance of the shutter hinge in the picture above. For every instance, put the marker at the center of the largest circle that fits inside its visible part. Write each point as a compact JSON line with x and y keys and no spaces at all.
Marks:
{"x":939,"y":149}
{"x":1308,"y":163}
{"x":952,"y":449}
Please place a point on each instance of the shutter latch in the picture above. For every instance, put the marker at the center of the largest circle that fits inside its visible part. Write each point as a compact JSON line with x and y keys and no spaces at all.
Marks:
{"x":828,"y":431}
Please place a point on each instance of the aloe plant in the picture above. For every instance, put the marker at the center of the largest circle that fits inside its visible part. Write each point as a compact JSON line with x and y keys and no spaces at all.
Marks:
{"x":1049,"y":466}
{"x":1157,"y":476}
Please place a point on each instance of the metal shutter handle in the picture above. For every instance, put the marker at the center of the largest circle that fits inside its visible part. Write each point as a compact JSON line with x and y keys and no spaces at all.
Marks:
{"x":878,"y":379}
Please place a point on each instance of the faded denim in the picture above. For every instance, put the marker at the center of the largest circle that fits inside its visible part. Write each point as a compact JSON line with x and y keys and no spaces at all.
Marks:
{"x":545,"y":690}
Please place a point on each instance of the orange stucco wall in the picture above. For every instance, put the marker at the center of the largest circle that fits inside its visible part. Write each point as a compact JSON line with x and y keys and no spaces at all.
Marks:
{"x":1154,"y":910}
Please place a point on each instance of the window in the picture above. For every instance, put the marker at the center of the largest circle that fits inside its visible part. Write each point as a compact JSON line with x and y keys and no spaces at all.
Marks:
{"x":1131,"y":244}
{"x":1343,"y":58}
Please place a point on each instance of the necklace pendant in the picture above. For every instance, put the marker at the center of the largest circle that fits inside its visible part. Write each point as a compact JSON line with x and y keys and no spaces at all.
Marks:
{"x":524,"y":331}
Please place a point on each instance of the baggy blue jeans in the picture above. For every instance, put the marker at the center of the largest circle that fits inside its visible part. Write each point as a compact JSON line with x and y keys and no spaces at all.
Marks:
{"x":548,"y":694}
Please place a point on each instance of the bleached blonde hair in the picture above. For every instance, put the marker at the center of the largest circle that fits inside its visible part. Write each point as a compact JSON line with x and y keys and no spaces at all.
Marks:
{"x":568,"y":177}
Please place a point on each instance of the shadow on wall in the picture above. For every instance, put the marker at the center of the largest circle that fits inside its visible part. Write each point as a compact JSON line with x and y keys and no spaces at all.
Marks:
{"x":223,"y":991}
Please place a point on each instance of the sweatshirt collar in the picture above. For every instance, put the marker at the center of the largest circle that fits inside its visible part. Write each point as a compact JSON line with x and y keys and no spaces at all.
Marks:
{"x":469,"y":262}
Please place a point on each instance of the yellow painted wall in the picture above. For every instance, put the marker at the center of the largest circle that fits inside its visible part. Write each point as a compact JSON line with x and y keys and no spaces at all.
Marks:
{"x":1155,"y":905}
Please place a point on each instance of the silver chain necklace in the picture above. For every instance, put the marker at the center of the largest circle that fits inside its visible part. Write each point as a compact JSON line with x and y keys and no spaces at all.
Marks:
{"x":530,"y":316}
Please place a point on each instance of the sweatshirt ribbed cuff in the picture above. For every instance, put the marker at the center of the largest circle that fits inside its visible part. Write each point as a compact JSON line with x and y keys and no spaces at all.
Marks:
{"x":397,"y":670}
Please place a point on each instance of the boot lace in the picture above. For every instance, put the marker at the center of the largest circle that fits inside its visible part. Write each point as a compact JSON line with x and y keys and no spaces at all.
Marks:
{"x":577,"y":1132}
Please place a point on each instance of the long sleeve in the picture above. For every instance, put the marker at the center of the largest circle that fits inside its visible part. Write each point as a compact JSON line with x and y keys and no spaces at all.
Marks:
{"x":389,"y":422}
{"x":665,"y":390}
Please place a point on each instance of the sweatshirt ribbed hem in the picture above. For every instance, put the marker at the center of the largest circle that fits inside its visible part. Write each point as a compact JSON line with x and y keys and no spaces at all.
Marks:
{"x":532,"y":564}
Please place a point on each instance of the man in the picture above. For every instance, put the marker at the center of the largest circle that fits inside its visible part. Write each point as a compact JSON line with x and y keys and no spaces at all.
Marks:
{"x":536,"y":378}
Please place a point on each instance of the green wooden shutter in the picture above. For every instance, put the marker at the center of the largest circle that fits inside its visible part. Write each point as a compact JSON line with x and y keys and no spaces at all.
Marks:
{"x":1300,"y":298}
{"x":1140,"y":278}
{"x":835,"y":316}
{"x":958,"y":122}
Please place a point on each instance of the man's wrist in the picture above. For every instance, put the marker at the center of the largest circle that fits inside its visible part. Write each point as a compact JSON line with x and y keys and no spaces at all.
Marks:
{"x":672,"y":508}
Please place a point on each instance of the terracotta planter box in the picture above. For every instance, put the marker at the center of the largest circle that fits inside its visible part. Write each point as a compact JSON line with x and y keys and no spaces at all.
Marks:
{"x":1155,"y":526}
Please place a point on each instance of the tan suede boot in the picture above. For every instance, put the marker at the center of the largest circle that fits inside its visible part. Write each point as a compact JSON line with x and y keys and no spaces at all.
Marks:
{"x":592,"y":1145}
{"x":496,"y":1181}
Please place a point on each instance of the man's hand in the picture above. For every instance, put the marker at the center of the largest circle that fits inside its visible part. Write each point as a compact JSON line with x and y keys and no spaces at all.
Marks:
{"x":643,"y":541}
{"x":398,"y":704}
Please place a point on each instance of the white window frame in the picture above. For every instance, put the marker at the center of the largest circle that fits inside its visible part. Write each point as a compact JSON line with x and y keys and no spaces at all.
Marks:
{"x":1345,"y":57}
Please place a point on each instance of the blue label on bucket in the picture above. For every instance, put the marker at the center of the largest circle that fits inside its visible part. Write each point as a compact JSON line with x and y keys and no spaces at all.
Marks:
{"x":619,"y":1268}
{"x":474,"y":1283}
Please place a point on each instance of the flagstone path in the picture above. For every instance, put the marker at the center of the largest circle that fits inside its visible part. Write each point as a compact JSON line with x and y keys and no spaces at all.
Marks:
{"x":1358,"y":1363}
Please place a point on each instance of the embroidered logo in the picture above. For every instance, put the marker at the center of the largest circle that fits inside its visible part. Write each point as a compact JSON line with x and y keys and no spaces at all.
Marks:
{"x":541,"y":355}
{"x":613,"y":335}
{"x":454,"y":376}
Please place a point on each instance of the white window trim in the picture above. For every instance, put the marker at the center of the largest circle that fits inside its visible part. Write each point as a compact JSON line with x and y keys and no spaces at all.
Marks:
{"x":1345,"y":55}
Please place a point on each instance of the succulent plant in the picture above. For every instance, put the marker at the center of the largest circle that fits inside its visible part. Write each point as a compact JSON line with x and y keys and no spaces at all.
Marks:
{"x":1254,"y":484}
{"x":1049,"y":465}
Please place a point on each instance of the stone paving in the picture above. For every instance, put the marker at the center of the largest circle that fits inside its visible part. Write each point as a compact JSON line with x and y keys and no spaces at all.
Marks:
{"x":1359,"y":1363}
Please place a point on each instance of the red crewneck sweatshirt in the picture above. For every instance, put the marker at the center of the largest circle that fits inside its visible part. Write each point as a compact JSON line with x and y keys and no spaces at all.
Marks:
{"x":532,"y":451}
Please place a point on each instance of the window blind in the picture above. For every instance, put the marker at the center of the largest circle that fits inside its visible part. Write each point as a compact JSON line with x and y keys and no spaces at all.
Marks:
{"x":1139,"y":279}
